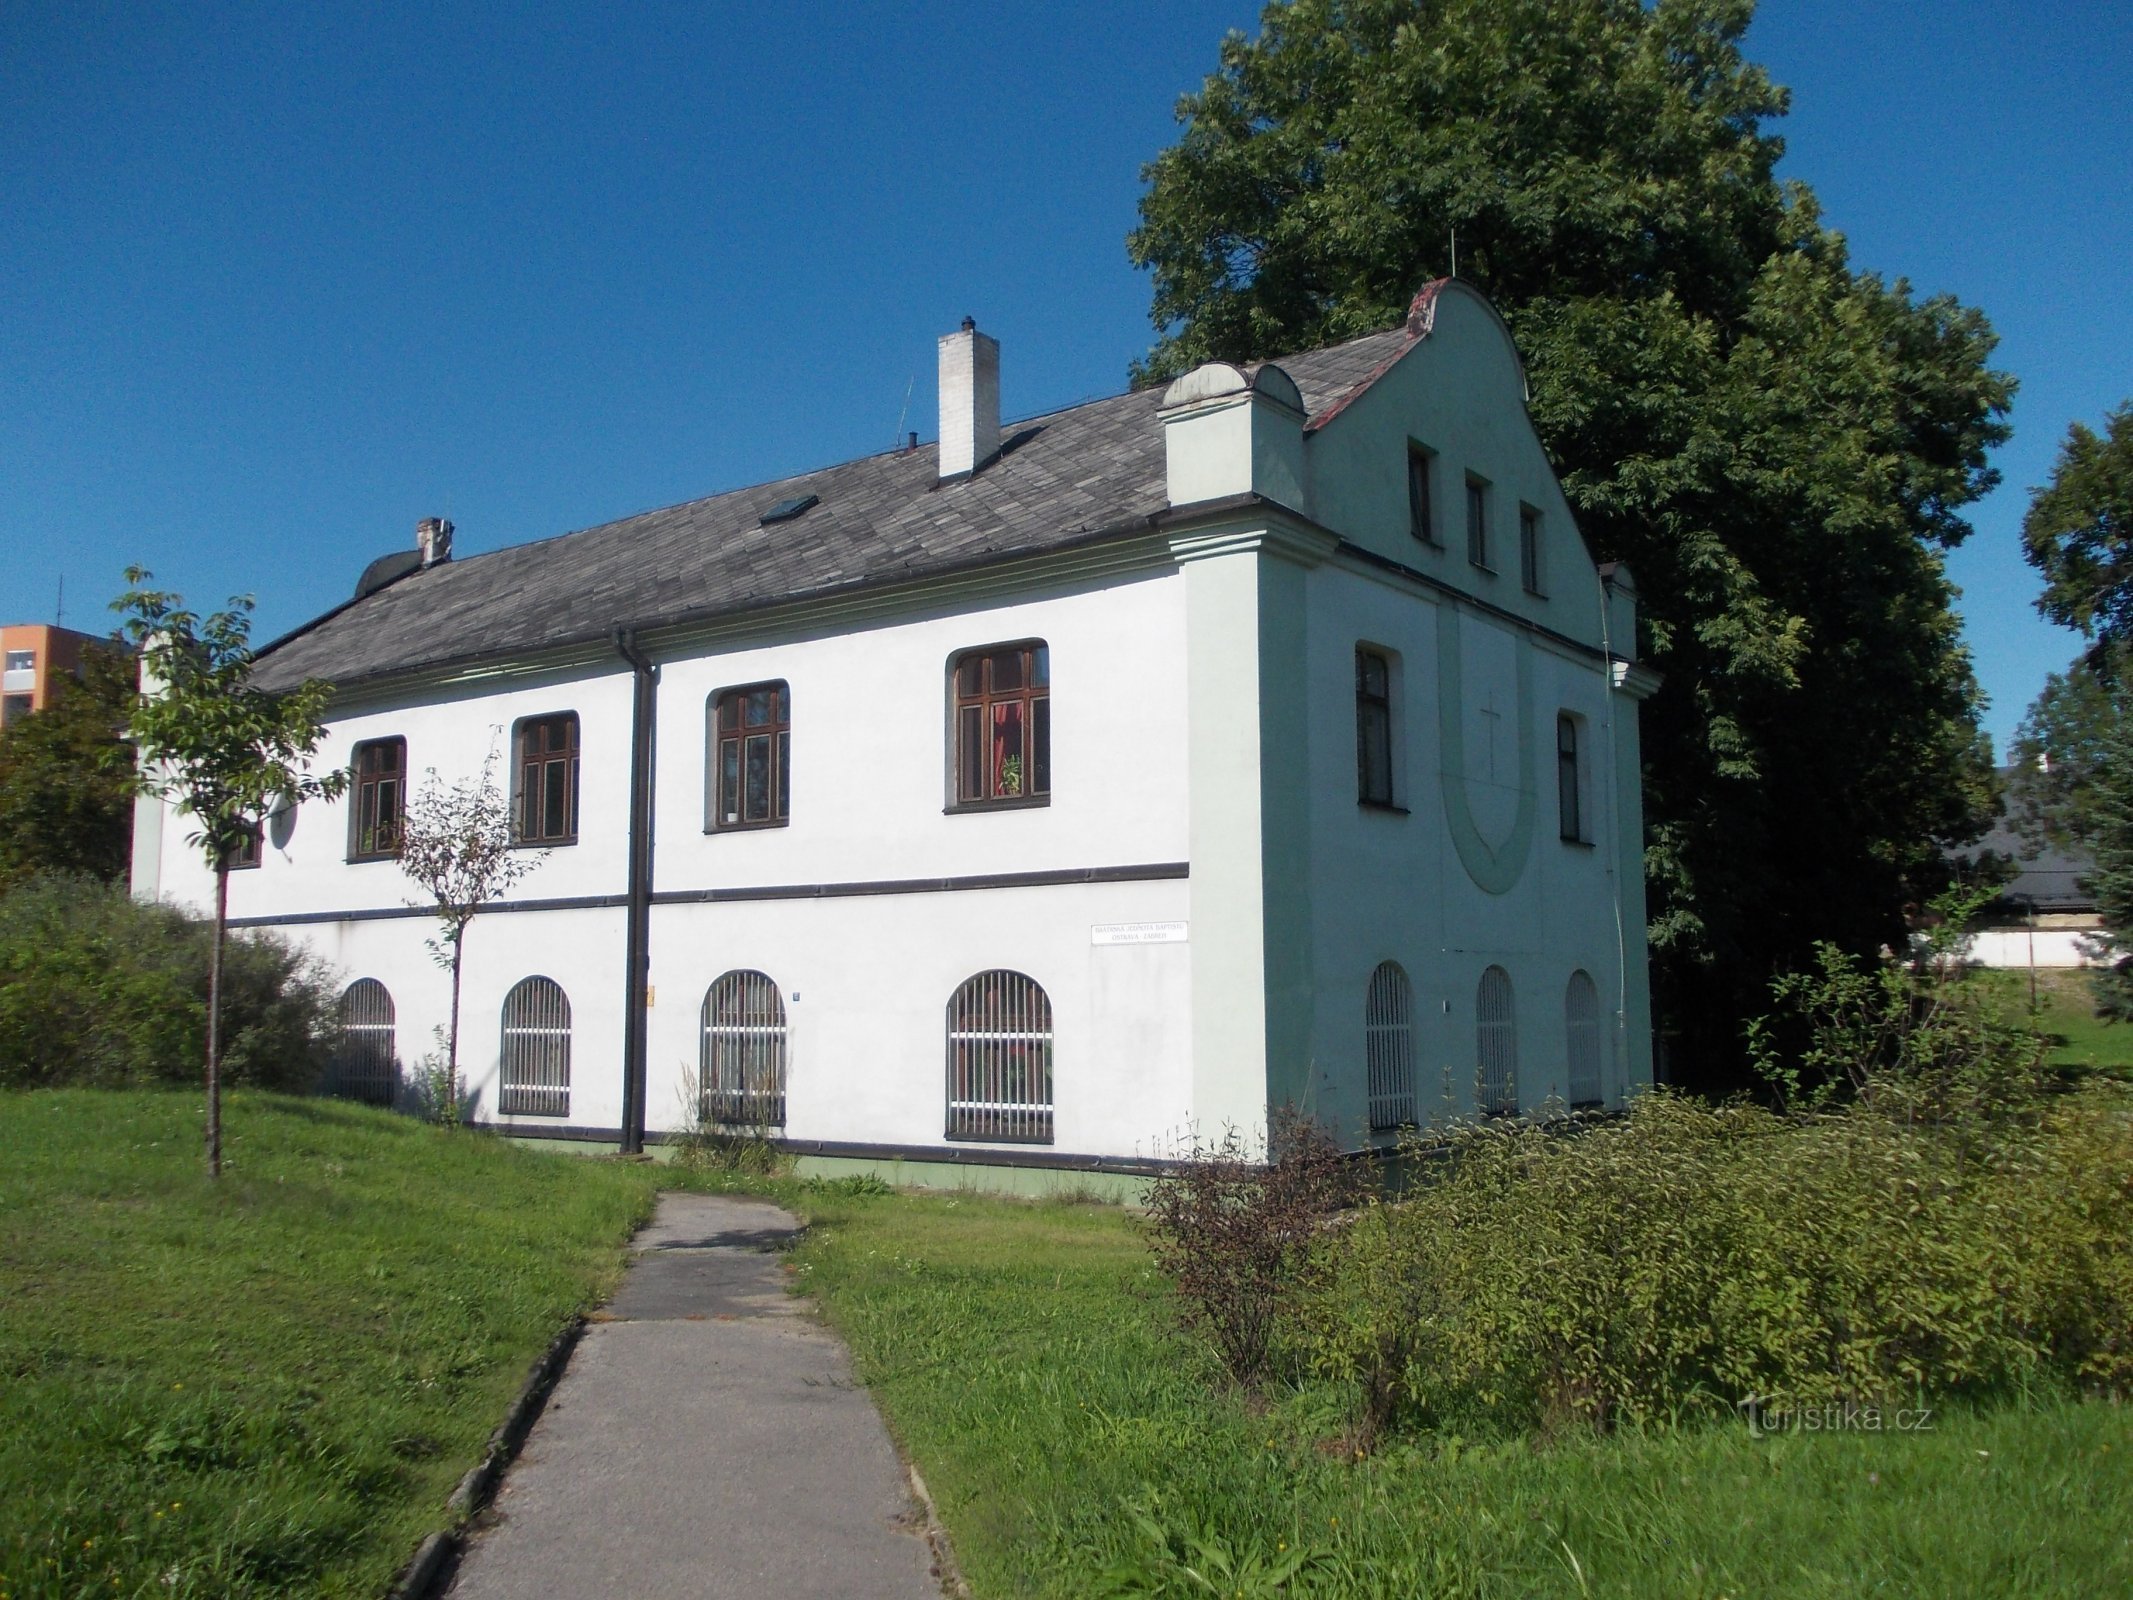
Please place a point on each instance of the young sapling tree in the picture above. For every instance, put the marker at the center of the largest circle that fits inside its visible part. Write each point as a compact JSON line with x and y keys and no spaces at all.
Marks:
{"x":459,"y":844}
{"x":223,"y":750}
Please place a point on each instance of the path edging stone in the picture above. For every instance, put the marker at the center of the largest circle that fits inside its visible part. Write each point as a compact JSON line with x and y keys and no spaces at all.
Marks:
{"x":423,"y":1576}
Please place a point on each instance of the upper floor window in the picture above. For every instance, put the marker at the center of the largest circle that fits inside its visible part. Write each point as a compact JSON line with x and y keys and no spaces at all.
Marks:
{"x":1421,"y":519}
{"x":380,"y":791}
{"x":547,"y":776}
{"x":1529,"y":549}
{"x":1003,"y":725}
{"x":1569,"y":780}
{"x":247,"y":850}
{"x":1373,"y":728}
{"x":751,"y":756}
{"x":22,"y":661}
{"x":1477,"y":523}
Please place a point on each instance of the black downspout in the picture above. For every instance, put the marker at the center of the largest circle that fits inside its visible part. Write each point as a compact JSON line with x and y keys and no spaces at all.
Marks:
{"x":637,"y":954}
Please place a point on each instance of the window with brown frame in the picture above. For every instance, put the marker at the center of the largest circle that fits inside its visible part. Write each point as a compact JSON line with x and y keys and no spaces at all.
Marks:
{"x":247,"y":852}
{"x":379,"y":791}
{"x":1373,"y":728}
{"x":751,"y":756}
{"x":1421,"y":521}
{"x":548,"y":779}
{"x":1003,"y":725}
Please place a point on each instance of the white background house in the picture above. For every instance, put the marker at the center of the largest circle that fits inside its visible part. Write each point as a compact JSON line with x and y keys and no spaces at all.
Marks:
{"x":1337,"y":745}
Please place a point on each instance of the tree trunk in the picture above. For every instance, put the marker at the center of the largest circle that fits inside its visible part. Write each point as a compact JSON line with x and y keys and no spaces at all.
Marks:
{"x":451,"y":1047}
{"x":214,"y":1024}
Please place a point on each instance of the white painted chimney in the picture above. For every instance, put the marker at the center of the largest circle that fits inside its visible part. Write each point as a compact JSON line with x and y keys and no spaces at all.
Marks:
{"x":970,"y":400}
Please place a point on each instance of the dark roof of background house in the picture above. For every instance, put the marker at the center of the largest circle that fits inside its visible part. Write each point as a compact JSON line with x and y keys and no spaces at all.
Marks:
{"x":2049,"y":879}
{"x":1070,"y":474}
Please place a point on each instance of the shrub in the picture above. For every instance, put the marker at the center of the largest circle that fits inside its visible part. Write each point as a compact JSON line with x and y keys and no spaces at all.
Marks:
{"x":98,"y":988}
{"x":1242,"y":1238}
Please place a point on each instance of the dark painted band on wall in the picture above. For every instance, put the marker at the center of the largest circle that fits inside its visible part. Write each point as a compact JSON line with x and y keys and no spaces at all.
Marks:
{"x":934,"y":1154}
{"x":1143,"y":873}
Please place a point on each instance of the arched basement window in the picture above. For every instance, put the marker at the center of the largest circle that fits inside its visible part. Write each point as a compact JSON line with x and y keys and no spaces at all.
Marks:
{"x":1496,"y":1046}
{"x":535,"y":1077}
{"x":743,"y":1063}
{"x":1000,"y":1060}
{"x":1581,"y":1026}
{"x":1389,"y":1047}
{"x":363,"y":1065}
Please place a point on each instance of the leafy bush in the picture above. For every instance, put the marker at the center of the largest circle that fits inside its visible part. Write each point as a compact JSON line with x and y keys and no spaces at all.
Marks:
{"x":1935,"y":1219}
{"x":97,"y":988}
{"x":1240,"y":1237}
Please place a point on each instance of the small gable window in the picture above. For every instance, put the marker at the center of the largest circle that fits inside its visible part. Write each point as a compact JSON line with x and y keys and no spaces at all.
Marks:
{"x":380,"y":771}
{"x":1477,"y":524}
{"x":1529,"y":549}
{"x":547,"y":778}
{"x":1003,"y":725}
{"x":1421,"y":517}
{"x":751,"y":756}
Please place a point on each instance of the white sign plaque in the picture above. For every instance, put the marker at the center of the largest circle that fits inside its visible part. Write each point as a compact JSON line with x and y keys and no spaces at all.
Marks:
{"x":1138,"y":933}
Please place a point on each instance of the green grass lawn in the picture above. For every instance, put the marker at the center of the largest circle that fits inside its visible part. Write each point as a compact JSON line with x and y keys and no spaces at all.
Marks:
{"x":1077,"y":1447}
{"x":268,"y":1386}
{"x":2067,"y":1016}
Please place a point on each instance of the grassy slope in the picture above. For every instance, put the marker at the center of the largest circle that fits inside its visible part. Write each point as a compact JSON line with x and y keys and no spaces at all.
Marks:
{"x":268,"y":1386}
{"x":1023,"y":1355}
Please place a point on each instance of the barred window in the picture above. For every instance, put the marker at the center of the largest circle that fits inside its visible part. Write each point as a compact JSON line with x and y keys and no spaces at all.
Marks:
{"x":1003,"y":725}
{"x":1389,"y":1047}
{"x":535,"y":1076}
{"x":751,"y":756}
{"x":1000,"y":1060}
{"x":362,"y":1067}
{"x":1496,"y":1046}
{"x":1581,"y":1026}
{"x":547,"y":779}
{"x":380,"y":772}
{"x":742,"y":1073}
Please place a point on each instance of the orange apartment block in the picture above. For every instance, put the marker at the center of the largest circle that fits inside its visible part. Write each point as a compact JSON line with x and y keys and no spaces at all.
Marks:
{"x":33,"y":657}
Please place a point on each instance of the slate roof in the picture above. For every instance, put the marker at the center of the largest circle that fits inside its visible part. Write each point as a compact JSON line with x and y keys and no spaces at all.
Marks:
{"x":2049,"y":879}
{"x":1072,"y":474}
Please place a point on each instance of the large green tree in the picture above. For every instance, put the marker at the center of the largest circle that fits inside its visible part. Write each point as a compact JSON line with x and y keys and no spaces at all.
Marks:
{"x":1779,"y":445}
{"x":66,"y":777}
{"x":2073,"y":780}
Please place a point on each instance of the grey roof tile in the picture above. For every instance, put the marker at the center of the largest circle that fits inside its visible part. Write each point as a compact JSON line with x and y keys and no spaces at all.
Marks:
{"x":1074,"y":472}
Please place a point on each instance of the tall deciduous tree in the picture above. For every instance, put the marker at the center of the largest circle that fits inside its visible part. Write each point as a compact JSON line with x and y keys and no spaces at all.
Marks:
{"x":221,"y":749}
{"x":1778,"y":445}
{"x":459,"y":843}
{"x":2073,"y":781}
{"x":66,"y":777}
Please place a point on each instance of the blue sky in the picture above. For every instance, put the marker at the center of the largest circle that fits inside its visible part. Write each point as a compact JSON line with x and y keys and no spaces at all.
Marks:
{"x":275,"y":282}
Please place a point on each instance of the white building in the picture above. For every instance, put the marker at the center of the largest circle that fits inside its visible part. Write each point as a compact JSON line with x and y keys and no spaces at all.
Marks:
{"x":1034,"y":802}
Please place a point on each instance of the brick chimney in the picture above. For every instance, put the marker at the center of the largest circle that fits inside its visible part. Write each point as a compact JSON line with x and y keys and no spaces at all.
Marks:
{"x":970,"y":401}
{"x":433,"y":537}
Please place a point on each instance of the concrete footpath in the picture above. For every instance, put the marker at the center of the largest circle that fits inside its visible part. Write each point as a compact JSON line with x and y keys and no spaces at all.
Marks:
{"x":707,"y":1439}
